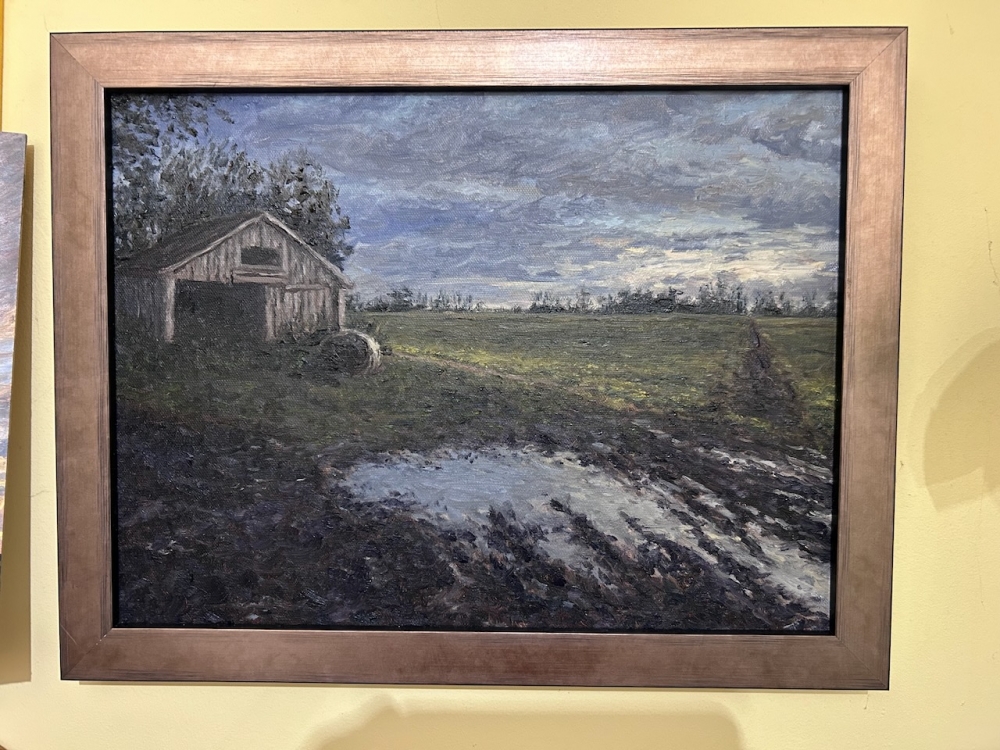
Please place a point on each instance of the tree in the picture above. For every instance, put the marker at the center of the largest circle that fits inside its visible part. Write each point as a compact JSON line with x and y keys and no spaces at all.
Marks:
{"x":401,"y":300}
{"x":830,"y":308}
{"x":299,"y":194}
{"x":167,"y":173}
{"x":722,"y":299}
{"x":143,"y":126}
{"x":807,"y":306}
{"x":765,"y":303}
{"x":203,"y":182}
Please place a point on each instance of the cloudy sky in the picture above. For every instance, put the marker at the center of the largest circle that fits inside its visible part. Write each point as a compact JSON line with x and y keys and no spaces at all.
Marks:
{"x":504,"y":194}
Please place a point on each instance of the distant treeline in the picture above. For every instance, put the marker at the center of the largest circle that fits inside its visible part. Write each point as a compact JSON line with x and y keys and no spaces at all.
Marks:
{"x":714,"y":298}
{"x":405,"y":299}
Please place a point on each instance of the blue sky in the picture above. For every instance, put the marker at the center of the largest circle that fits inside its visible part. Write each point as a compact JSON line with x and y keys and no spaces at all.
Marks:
{"x":504,"y":194}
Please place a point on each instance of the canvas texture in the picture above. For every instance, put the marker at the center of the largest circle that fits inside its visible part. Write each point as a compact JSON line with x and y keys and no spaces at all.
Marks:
{"x":553,"y":361}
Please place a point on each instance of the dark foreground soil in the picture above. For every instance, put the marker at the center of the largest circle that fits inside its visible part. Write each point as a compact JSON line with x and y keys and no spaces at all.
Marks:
{"x":219,"y":525}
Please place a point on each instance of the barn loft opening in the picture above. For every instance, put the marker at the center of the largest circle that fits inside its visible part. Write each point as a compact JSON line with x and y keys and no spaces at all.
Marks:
{"x":256,"y":255}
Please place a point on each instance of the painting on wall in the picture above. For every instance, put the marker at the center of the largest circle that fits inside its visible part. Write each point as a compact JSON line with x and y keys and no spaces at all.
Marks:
{"x":12,"y":156}
{"x":560,"y":360}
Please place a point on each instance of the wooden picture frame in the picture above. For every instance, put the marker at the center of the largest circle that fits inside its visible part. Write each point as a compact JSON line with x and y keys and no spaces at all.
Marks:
{"x":870,"y":63}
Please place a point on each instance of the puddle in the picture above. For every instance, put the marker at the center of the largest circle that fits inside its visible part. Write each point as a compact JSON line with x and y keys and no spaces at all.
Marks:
{"x":456,"y":490}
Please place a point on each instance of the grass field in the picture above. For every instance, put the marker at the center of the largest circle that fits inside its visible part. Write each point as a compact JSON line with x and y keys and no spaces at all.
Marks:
{"x":632,"y":361}
{"x":677,"y":365}
{"x":242,"y":492}
{"x":807,"y":348}
{"x":475,"y":378}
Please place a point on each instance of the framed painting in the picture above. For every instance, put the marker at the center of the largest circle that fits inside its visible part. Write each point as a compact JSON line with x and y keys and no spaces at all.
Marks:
{"x":13,"y":147}
{"x":534,"y":357}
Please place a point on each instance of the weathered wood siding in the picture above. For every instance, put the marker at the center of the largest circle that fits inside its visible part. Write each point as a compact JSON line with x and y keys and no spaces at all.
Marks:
{"x":223,"y":261}
{"x":302,"y":309}
{"x":303,"y":268}
{"x":149,"y":301}
{"x":302,"y":295}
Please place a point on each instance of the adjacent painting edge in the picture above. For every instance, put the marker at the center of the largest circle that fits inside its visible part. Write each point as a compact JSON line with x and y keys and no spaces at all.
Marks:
{"x":13,"y":150}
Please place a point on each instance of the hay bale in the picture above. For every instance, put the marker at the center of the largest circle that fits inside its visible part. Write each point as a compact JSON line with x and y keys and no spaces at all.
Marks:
{"x":349,"y":352}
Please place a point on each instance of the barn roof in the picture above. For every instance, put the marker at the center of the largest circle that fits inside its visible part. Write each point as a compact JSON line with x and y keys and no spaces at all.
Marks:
{"x":177,"y":249}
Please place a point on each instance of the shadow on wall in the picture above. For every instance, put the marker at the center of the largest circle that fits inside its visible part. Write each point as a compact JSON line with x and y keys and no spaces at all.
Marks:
{"x":962,"y":438}
{"x":390,"y":729}
{"x":15,"y":580}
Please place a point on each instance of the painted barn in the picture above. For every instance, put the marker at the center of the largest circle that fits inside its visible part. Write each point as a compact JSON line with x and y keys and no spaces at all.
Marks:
{"x":246,"y":275}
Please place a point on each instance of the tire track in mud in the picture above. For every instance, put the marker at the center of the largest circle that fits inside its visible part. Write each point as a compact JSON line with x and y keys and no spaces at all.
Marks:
{"x":744,"y":513}
{"x":623,"y":519}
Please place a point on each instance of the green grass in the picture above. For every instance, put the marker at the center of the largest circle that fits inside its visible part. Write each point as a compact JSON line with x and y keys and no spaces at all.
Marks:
{"x":808,"y":349}
{"x":655,"y":363}
{"x":470,"y":379}
{"x":673,"y":364}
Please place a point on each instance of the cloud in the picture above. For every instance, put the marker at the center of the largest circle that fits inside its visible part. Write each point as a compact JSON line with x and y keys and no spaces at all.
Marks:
{"x":506,"y":191}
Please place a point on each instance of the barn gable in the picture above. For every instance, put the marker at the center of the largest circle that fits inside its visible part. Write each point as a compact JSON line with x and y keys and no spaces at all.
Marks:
{"x":251,"y":268}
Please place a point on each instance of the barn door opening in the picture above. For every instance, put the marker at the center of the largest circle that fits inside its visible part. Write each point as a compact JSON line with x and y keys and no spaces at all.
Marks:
{"x":211,"y":311}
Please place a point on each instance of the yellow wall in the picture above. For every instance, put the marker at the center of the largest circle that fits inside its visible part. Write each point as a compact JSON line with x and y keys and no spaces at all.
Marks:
{"x":946,"y":626}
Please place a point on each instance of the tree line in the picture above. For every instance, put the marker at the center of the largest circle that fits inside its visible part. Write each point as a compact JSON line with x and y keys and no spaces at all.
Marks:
{"x":715,"y":298}
{"x":404,"y":299}
{"x":167,"y":173}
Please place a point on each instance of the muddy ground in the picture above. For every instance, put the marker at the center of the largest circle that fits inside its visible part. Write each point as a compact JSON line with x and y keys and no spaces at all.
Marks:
{"x":222,"y":525}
